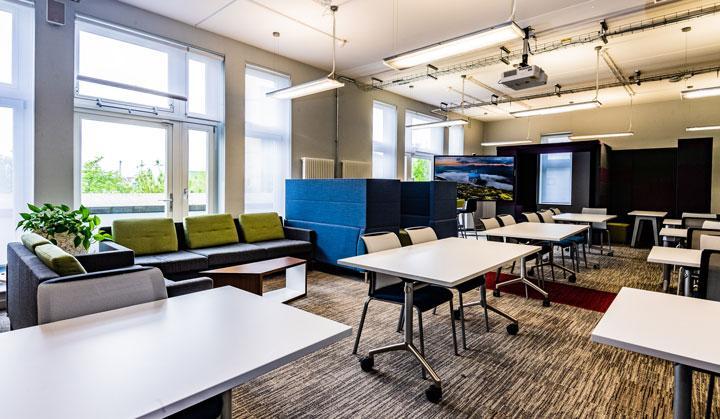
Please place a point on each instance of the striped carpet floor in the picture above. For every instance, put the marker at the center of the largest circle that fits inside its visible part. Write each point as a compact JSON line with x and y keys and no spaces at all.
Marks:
{"x":550,"y":369}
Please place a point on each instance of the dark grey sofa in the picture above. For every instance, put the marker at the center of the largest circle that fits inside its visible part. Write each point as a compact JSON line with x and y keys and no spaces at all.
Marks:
{"x":25,"y":272}
{"x":186,"y":263}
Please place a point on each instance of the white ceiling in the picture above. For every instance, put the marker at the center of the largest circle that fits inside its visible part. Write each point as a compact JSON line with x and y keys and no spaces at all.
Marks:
{"x":379,"y":28}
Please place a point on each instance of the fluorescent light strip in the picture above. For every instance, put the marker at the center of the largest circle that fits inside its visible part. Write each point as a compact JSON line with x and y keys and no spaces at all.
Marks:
{"x":497,"y":143}
{"x":306,"y":89}
{"x":698,"y":93}
{"x":463,"y":44}
{"x":558,"y":109}
{"x":448,"y":123}
{"x":608,"y":135}
{"x":704,"y":128}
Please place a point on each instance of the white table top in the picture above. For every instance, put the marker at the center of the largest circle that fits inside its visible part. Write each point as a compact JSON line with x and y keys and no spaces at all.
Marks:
{"x":583,"y":218}
{"x":656,"y":214}
{"x":536,"y":231}
{"x":672,"y":222}
{"x":699,"y":215}
{"x":673,"y":232}
{"x":665,"y":326}
{"x":447,"y":262}
{"x":675,"y":256}
{"x":154,"y":359}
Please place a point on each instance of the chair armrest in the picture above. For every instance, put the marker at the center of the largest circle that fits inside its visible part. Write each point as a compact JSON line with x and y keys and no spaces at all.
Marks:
{"x":295,"y":233}
{"x":188,"y":286}
{"x":111,"y":256}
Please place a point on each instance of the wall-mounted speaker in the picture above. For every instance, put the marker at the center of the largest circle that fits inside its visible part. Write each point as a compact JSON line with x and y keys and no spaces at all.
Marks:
{"x":55,"y":12}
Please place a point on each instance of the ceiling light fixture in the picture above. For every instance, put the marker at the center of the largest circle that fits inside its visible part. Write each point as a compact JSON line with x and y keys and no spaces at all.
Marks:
{"x":315,"y":86}
{"x":699,"y":93}
{"x":703,"y":128}
{"x":608,"y":135}
{"x":439,"y":124}
{"x":484,"y":38}
{"x":557,"y":109}
{"x":498,"y":143}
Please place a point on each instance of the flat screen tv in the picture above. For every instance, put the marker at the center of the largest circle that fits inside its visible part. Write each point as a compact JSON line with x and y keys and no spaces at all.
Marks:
{"x":487,"y":178}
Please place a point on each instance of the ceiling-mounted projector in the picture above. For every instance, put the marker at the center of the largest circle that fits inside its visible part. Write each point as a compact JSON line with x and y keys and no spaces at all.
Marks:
{"x":524,"y":77}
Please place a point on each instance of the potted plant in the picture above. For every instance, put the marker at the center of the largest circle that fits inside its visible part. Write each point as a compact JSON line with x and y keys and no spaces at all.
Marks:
{"x":72,"y":230}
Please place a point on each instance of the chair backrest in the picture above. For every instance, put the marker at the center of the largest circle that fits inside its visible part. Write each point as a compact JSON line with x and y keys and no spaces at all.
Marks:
{"x":65,"y":298}
{"x":506,"y":219}
{"x":555,"y":211}
{"x":601,"y":211}
{"x":470,"y":205}
{"x":694,"y":222}
{"x":694,"y":235}
{"x":377,"y":242}
{"x":531,"y":217}
{"x":546,"y":216}
{"x":709,"y":242}
{"x":709,"y":282}
{"x":489,"y":223}
{"x":421,"y":234}
{"x":711,"y":225}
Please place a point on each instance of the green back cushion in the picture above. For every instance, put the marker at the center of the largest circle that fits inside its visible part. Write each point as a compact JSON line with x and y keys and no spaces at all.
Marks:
{"x":261,"y":227}
{"x":146,"y":236}
{"x":210,"y":230}
{"x":58,"y":260}
{"x":33,"y":240}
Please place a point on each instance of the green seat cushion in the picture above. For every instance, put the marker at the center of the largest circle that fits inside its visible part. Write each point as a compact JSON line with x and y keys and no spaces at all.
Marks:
{"x":33,"y":240}
{"x":146,"y":236}
{"x":261,"y":227}
{"x":58,"y":260}
{"x":210,"y":230}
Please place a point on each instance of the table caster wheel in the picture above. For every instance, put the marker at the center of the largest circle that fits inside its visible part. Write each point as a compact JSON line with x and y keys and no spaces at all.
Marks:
{"x":496,"y":293}
{"x":434,"y":394}
{"x":546,"y":303}
{"x":596,"y":266}
{"x":572,"y":279}
{"x":367,"y":363}
{"x":456,"y":314}
{"x":611,"y":253}
{"x":512,"y":329}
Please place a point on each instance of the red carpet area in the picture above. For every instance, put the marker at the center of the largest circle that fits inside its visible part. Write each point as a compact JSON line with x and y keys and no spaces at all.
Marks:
{"x":560,"y":292}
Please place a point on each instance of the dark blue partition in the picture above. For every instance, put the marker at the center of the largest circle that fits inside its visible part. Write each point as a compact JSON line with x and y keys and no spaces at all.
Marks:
{"x":340,"y":210}
{"x":431,"y":204}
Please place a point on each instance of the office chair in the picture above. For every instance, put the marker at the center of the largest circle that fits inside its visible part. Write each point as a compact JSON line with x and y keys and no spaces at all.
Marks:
{"x":421,"y":234}
{"x":546,"y":251}
{"x":572,"y":244}
{"x":708,"y":288}
{"x":390,"y":289}
{"x":555,"y":211}
{"x":470,"y":208}
{"x":602,"y":228}
{"x":531,"y":217}
{"x":68,"y":297}
{"x":506,"y":219}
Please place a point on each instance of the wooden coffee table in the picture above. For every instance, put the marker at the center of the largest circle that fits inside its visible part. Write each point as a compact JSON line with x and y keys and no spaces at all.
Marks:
{"x":249,"y":277}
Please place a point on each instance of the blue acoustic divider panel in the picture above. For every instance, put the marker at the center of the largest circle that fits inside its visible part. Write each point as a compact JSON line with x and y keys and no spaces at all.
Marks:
{"x":340,"y":211}
{"x":430,"y":204}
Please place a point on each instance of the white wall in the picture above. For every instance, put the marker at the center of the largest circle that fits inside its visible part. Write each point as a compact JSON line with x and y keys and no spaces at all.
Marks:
{"x":656,"y":125}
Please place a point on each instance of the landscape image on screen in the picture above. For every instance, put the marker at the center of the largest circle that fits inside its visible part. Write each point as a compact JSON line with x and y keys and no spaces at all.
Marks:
{"x":487,"y":178}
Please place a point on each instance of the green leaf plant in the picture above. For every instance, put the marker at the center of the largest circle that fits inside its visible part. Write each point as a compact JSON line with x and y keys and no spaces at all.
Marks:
{"x":49,"y":220}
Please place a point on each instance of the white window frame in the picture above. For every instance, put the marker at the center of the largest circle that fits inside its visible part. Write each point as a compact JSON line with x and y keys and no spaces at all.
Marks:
{"x":412,"y":152}
{"x":388,"y":148}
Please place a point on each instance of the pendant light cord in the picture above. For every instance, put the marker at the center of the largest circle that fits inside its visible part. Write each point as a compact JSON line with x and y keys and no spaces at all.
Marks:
{"x":597,"y":71}
{"x":512,"y":11}
{"x":333,"y":9}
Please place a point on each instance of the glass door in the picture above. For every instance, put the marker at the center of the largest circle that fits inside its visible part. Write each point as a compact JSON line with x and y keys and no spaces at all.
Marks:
{"x":198,"y":179}
{"x":124,"y":167}
{"x":7,"y":178}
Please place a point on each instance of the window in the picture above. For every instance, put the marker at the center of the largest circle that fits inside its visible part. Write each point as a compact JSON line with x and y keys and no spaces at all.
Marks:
{"x":16,"y":116}
{"x":384,"y":141}
{"x":555,"y":173}
{"x":421,"y":144}
{"x":267,"y":141}
{"x":456,"y":142}
{"x":148,"y":147}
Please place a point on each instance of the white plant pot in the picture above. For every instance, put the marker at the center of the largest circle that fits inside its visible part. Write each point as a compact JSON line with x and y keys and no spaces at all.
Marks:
{"x":66,"y":242}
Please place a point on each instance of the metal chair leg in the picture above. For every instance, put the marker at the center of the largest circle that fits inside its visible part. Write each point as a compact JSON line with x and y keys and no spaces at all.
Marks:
{"x":401,"y":319}
{"x":360,"y":326}
{"x":585,"y":255}
{"x":483,"y":301}
{"x":454,"y":336}
{"x":422,"y":338}
{"x":462,"y":319}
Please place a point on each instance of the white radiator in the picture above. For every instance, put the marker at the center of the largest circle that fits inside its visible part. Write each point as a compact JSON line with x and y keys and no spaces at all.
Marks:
{"x":313,"y":168}
{"x":356,"y":169}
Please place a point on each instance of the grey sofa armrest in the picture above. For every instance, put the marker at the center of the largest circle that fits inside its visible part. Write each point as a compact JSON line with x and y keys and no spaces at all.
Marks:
{"x":188,"y":286}
{"x":111,"y":256}
{"x":302,"y":234}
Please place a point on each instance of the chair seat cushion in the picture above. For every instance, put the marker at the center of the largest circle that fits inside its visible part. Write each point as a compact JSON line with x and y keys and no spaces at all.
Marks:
{"x":174,"y":262}
{"x":231,"y":254}
{"x":472,"y":284}
{"x":285,"y":247}
{"x":425,"y":298}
